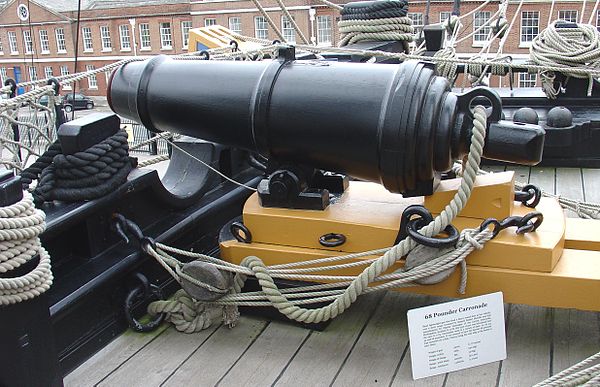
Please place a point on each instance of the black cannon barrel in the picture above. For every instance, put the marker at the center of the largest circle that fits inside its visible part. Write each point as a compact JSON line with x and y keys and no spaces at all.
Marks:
{"x":394,"y":124}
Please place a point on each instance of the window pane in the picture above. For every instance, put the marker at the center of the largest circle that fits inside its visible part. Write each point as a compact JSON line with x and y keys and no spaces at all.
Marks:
{"x":530,"y":22}
{"x":44,"y":42}
{"x":570,"y":16}
{"x":60,"y":40}
{"x":105,"y":36}
{"x":12,"y":42}
{"x":166,"y":39}
{"x":235,"y":24}
{"x":186,"y":26}
{"x":92,"y":81}
{"x":324,"y":30}
{"x":124,"y":35}
{"x":481,"y":34}
{"x":527,"y":80}
{"x":210,"y":22}
{"x":87,"y":38}
{"x":287,"y":29}
{"x":417,"y":21}
{"x":261,"y":28}
{"x":144,"y":36}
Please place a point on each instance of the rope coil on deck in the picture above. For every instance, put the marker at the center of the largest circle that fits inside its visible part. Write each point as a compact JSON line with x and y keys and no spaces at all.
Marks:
{"x":343,"y":290}
{"x":20,"y":226}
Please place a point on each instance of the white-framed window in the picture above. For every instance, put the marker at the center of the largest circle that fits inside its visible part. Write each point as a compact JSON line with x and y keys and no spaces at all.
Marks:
{"x":287,"y":30}
{"x":144,"y":36}
{"x":166,"y":38}
{"x":235,"y":24}
{"x":124,"y":37}
{"x":261,"y":27}
{"x":3,"y":75}
{"x":105,"y":37}
{"x":92,"y":81}
{"x":28,"y":42}
{"x":61,"y":43}
{"x":64,"y":70}
{"x":481,"y":34}
{"x":48,"y":73}
{"x":530,"y":26}
{"x":1,"y":48}
{"x":186,"y":26}
{"x":417,"y":21}
{"x":210,"y":21}
{"x":444,"y":15}
{"x":44,"y":42}
{"x":12,"y":42}
{"x":598,"y":20}
{"x":568,"y":15}
{"x":88,"y":45}
{"x":527,"y":80}
{"x":324,"y":32}
{"x":32,"y":73}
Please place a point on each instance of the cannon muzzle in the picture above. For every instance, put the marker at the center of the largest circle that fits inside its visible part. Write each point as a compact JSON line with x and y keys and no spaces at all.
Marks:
{"x":394,"y":124}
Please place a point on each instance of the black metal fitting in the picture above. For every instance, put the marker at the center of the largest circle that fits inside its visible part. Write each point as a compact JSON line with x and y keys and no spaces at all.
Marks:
{"x":524,"y":224}
{"x":401,"y":130}
{"x":145,"y":293}
{"x":410,"y":226}
{"x":54,"y":82}
{"x":124,"y":227}
{"x":240,"y":232}
{"x":13,"y":87}
{"x":332,"y":240}
{"x":530,"y":196}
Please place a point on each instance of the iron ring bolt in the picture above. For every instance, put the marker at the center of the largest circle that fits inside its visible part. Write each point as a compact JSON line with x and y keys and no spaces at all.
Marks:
{"x":240,"y":232}
{"x":332,"y":239}
{"x":530,"y":196}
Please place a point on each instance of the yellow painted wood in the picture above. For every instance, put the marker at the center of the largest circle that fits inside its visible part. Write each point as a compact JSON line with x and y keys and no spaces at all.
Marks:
{"x":574,"y":282}
{"x":369,"y":217}
{"x":492,"y":197}
{"x":216,"y":36}
{"x":582,"y":234}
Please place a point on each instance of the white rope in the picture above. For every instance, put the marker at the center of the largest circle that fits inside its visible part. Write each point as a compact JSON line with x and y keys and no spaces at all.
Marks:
{"x":20,"y":226}
{"x":582,"y":373}
{"x":346,"y":288}
{"x":292,"y":21}
{"x":397,"y":28}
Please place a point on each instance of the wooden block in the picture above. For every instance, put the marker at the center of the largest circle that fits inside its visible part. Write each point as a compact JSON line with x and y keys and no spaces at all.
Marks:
{"x":582,"y":234}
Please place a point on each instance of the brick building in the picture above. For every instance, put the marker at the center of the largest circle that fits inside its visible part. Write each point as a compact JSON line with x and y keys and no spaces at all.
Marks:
{"x":43,"y":43}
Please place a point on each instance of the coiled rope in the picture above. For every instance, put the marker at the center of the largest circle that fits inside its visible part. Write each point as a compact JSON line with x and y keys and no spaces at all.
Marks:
{"x":20,"y":226}
{"x":380,"y":21}
{"x":85,"y":175}
{"x":342,"y":291}
{"x":567,"y":47}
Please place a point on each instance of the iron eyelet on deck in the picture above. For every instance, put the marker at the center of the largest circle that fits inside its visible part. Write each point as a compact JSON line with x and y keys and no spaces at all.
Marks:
{"x":240,"y":232}
{"x":530,"y":196}
{"x":332,"y":239}
{"x":409,"y":226}
{"x":147,"y":293}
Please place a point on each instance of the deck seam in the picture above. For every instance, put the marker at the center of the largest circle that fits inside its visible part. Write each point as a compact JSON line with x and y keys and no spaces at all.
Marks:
{"x":242,"y":354}
{"x":291,"y":358}
{"x":399,"y":364}
{"x":362,"y":330}
{"x":130,"y":357}
{"x":551,"y":357}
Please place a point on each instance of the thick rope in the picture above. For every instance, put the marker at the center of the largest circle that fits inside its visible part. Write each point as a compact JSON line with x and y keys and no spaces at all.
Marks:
{"x":569,"y":48}
{"x":353,"y":31}
{"x":346,"y":288}
{"x":582,"y":373}
{"x":20,"y":226}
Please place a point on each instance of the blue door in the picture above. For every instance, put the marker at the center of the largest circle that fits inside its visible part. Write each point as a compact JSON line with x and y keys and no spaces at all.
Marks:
{"x":17,"y":71}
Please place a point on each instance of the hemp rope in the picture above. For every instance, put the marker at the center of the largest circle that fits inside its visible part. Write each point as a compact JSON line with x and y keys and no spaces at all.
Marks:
{"x":568,"y":48}
{"x":20,"y":226}
{"x":351,"y":286}
{"x":397,"y":28}
{"x":582,"y":373}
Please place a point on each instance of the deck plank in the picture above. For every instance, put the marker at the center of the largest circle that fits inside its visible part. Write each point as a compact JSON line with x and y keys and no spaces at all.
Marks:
{"x":111,"y":357}
{"x":527,"y":347}
{"x":569,"y":184}
{"x":267,"y":356}
{"x":576,"y":336}
{"x":218,"y":354}
{"x":591,"y":185}
{"x":156,"y":361}
{"x":545,"y":178}
{"x":320,"y":358}
{"x":377,"y":354}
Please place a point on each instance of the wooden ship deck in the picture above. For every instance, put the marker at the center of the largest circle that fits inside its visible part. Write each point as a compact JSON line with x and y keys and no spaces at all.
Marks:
{"x":367,"y":345}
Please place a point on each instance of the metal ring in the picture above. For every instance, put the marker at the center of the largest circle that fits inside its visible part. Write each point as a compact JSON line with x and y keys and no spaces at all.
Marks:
{"x":491,"y":221}
{"x":245,"y":236}
{"x":528,"y":225}
{"x":332,"y":240}
{"x":415,"y":225}
{"x":534,"y":194}
{"x":407,"y":214}
{"x":234,"y":45}
{"x":136,"y":293}
{"x":205,"y":54}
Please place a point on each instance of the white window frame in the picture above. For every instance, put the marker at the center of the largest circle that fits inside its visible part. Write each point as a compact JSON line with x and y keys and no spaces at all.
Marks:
{"x":261,"y":28}
{"x":125,"y":37}
{"x":3,"y":74}
{"x":32,"y":71}
{"x":44,"y":42}
{"x":48,"y":72}
{"x":61,"y":42}
{"x":145,"y":28}
{"x":1,"y":50}
{"x":598,"y":20}
{"x":166,"y":36}
{"x":481,"y":37}
{"x":64,"y":70}
{"x":27,"y":42}
{"x":324,"y":30}
{"x":88,"y":43}
{"x":186,"y":26}
{"x":210,"y":21}
{"x":235,"y":24}
{"x":92,"y":80}
{"x":527,"y":80}
{"x":417,"y":21}
{"x":445,"y":15}
{"x":105,"y":39}
{"x":569,"y":15}
{"x":12,"y":43}
{"x":287,"y":30}
{"x":533,"y":24}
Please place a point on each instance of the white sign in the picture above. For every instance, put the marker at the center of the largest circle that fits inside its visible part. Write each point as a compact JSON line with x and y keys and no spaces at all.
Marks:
{"x":456,"y":335}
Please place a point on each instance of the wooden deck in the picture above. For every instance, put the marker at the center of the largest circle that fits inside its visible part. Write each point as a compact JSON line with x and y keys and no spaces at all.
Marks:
{"x":367,"y":345}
